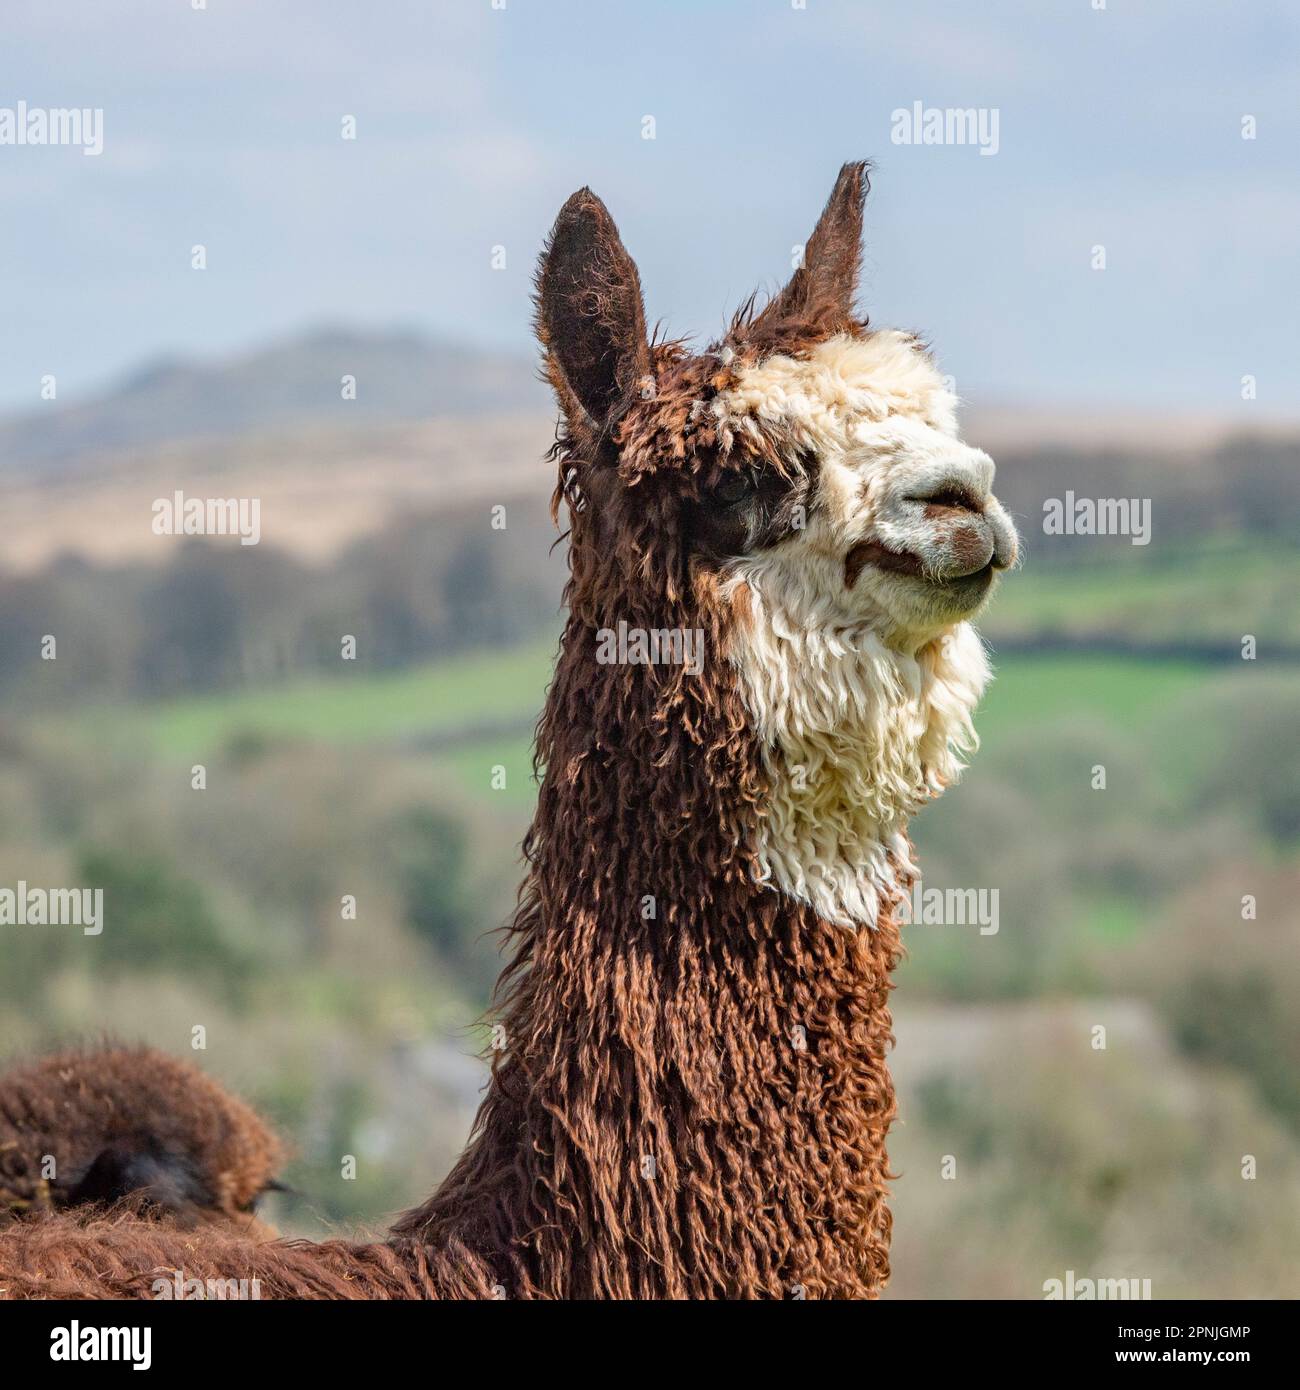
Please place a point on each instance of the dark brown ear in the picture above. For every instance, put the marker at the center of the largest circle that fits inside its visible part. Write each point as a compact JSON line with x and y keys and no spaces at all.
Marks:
{"x":590,"y":318}
{"x":821,"y":291}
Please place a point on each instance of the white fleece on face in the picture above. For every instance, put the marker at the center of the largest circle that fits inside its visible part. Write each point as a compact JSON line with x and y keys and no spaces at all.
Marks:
{"x":862,"y":697}
{"x":842,"y":383}
{"x":856,"y":737}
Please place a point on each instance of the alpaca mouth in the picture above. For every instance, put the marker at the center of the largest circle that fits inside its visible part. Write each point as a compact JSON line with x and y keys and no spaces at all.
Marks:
{"x":908,"y":564}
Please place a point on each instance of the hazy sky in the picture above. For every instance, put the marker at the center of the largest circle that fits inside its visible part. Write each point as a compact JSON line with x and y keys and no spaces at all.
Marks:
{"x":1119,"y":127}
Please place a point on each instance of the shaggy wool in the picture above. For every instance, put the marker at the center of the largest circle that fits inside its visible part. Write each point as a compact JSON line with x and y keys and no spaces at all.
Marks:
{"x":99,"y":1125}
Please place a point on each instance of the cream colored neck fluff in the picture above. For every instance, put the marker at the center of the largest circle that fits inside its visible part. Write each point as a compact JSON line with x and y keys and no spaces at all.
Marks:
{"x":862,"y":697}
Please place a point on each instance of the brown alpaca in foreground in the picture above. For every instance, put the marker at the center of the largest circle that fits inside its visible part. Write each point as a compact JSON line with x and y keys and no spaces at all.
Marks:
{"x":766,"y":669}
{"x":113,"y":1124}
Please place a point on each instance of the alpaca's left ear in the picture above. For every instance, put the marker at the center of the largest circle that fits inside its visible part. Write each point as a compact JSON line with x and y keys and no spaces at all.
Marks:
{"x":822,"y":290}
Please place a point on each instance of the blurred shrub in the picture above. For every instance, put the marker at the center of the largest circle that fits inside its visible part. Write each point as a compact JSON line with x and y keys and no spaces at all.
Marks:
{"x":1025,"y":1151}
{"x":215,"y":617}
{"x":1251,"y":768}
{"x":429,"y":849}
{"x":1227,"y":984}
{"x":153,"y":917}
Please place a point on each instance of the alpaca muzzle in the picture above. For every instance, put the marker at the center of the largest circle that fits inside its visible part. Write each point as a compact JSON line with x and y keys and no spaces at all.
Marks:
{"x":946,"y":535}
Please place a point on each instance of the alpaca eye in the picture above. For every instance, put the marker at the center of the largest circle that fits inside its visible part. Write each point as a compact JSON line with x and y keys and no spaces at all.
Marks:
{"x":733,"y":489}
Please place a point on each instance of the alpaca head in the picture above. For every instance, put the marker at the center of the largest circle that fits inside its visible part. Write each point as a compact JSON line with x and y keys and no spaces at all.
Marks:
{"x":800,"y":492}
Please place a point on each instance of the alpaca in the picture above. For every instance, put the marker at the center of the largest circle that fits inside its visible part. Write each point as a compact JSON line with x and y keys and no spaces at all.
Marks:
{"x":129,"y":1124}
{"x":690,"y":1097}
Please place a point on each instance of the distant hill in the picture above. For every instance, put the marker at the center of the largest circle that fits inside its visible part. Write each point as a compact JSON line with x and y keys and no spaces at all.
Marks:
{"x":404,"y":376}
{"x":320,"y":486}
{"x":401,"y":375}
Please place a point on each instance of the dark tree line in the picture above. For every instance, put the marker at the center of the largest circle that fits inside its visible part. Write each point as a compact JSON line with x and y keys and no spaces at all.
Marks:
{"x":218,"y":615}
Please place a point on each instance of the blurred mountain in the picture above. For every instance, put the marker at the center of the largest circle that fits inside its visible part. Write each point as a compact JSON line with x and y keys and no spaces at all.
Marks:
{"x":400,"y":375}
{"x":403,"y":376}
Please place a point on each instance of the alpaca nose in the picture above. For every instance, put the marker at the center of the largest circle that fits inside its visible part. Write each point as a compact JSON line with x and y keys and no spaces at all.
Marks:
{"x":969,"y":528}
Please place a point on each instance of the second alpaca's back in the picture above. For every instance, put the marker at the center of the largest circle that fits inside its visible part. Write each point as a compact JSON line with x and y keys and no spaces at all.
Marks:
{"x":104,"y":1126}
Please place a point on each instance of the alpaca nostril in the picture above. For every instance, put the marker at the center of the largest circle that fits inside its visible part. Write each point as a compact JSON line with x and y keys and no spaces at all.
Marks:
{"x":952,"y":497}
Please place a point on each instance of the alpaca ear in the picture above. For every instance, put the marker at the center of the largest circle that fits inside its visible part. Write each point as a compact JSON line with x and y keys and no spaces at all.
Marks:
{"x":590,"y":318}
{"x":823,"y":288}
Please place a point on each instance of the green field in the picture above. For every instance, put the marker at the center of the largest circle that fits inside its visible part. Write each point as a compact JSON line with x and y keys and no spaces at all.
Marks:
{"x":476,"y":712}
{"x":493,"y":689}
{"x":482,"y":690}
{"x":1041,"y":690}
{"x":1195,"y":593}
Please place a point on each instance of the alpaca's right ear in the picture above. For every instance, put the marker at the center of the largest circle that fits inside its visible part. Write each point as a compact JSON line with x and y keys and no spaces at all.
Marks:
{"x":590,"y":318}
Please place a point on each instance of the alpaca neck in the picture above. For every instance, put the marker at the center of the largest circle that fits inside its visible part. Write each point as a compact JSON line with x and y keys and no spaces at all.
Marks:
{"x":699,"y":1116}
{"x":692,"y":1096}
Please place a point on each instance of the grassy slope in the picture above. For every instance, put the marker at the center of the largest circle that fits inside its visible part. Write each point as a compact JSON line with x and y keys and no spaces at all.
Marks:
{"x":356,"y":706}
{"x":480,"y":708}
{"x":1197,"y":593}
{"x":1030,"y":690}
{"x":482,"y":695}
{"x":1205,"y":592}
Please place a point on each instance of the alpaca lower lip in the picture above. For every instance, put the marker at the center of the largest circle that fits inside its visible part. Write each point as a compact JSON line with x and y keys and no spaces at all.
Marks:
{"x":978,"y":577}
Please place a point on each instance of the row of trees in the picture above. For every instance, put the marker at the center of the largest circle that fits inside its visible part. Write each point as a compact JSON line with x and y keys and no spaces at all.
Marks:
{"x":1248,"y":485}
{"x":219,"y":615}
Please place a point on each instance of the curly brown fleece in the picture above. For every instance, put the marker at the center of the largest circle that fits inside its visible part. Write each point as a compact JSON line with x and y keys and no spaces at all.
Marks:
{"x":692,"y":1098}
{"x":95,"y":1125}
